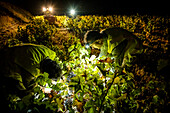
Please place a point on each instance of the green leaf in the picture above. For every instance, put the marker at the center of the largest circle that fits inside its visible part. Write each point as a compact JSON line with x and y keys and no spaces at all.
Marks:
{"x":155,"y":98}
{"x":37,"y":89}
{"x":73,"y":84}
{"x":75,"y":79}
{"x":56,"y":88}
{"x":91,"y":110}
{"x":71,"y":48}
{"x":117,"y":80}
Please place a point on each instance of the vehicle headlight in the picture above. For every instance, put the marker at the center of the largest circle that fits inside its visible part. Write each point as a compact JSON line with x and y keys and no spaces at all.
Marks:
{"x":44,"y":9}
{"x":50,"y":9}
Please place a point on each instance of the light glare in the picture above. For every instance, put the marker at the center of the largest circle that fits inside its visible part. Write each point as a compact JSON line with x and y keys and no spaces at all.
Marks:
{"x":50,"y":9}
{"x":72,"y":11}
{"x":87,"y":46}
{"x":44,"y":9}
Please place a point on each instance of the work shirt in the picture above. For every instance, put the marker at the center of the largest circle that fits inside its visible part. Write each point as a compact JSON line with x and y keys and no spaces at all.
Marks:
{"x":30,"y":56}
{"x":22,"y":62}
{"x":119,"y":43}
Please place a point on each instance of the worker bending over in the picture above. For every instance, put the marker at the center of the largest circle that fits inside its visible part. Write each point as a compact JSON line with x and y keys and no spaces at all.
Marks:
{"x":116,"y":43}
{"x":20,"y":65}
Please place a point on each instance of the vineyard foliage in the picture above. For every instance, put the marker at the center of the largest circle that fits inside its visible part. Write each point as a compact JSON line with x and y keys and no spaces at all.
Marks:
{"x":88,"y":85}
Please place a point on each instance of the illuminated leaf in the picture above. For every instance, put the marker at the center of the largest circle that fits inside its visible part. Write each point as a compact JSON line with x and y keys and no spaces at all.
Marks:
{"x":71,"y":48}
{"x":72,"y":84}
{"x":155,"y":98}
{"x":116,"y":80}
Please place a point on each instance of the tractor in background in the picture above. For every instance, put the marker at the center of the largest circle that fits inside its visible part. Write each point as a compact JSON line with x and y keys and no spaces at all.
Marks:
{"x":48,"y":15}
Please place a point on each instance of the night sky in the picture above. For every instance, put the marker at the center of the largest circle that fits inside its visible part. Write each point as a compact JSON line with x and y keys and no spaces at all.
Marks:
{"x":100,"y":7}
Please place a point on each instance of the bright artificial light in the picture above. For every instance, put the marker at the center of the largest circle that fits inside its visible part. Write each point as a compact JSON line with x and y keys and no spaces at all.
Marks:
{"x":72,"y":12}
{"x":50,"y":9}
{"x":44,"y":9}
{"x":87,"y":46}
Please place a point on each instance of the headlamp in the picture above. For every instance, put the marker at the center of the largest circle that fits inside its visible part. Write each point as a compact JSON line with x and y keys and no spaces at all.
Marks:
{"x":87,"y":46}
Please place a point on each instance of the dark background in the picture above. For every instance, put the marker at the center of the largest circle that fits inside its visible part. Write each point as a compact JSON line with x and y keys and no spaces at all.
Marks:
{"x":100,"y":7}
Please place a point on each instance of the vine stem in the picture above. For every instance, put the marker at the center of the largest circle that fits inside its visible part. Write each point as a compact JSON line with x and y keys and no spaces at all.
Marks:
{"x":105,"y":94}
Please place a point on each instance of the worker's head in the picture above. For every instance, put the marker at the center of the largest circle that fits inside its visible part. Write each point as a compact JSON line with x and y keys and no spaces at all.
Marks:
{"x":91,"y":37}
{"x":51,"y":67}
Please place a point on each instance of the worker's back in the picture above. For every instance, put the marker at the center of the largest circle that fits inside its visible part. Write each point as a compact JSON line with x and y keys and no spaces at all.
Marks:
{"x":28,"y":56}
{"x":120,"y":43}
{"x":117,"y":34}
